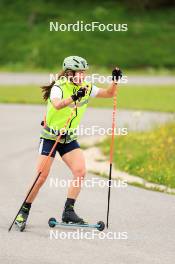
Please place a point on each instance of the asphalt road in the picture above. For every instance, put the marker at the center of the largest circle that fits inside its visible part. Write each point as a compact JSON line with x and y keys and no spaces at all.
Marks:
{"x":146,"y":217}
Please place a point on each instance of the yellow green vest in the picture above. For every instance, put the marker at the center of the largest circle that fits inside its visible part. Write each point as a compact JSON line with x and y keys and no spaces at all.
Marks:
{"x":56,"y":119}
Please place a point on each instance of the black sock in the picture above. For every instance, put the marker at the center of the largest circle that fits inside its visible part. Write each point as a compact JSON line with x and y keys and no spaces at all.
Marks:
{"x":26,"y":207}
{"x":69,"y":203}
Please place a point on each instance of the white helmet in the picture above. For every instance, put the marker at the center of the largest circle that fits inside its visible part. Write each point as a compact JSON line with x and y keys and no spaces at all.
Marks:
{"x":75,"y":63}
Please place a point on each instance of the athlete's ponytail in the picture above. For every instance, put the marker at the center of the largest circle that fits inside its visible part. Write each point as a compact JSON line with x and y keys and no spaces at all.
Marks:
{"x":46,"y":89}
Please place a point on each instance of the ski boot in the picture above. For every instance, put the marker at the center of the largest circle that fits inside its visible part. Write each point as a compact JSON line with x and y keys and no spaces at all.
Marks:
{"x":21,"y":219}
{"x":69,"y":216}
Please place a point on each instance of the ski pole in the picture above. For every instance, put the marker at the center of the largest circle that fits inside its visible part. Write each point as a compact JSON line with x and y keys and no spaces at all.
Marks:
{"x":111,"y":155}
{"x":43,"y":165}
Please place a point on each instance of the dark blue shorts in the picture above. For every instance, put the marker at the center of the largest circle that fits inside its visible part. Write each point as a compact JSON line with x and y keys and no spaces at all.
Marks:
{"x":46,"y":145}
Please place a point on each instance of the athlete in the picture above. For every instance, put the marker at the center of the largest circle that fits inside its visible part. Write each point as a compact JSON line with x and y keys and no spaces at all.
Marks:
{"x":69,"y":91}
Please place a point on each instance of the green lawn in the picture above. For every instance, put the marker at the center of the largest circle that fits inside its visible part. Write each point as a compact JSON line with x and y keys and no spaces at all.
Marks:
{"x":146,"y":98}
{"x":150,"y":155}
{"x":21,"y":94}
{"x":142,"y":98}
{"x":27,"y":43}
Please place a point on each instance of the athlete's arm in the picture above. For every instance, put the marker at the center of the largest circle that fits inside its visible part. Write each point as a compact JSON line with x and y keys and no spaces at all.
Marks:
{"x":107,"y":93}
{"x":56,"y":98}
{"x":59,"y":104}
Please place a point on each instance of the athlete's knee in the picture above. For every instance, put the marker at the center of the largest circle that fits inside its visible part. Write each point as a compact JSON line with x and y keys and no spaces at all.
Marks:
{"x":79,"y":173}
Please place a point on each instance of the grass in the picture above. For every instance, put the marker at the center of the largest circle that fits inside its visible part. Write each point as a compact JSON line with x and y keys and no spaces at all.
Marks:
{"x":153,"y":188}
{"x":28,"y":44}
{"x":20,"y":94}
{"x":146,"y":71}
{"x":149,"y":155}
{"x":154,"y":98}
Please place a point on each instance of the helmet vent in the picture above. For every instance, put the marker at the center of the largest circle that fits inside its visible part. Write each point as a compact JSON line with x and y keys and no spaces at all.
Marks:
{"x":83,"y":63}
{"x":76,"y":60}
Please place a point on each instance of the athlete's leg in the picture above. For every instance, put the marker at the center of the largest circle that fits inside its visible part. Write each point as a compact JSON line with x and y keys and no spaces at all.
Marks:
{"x":43,"y":176}
{"x":45,"y":146}
{"x":76,"y":162}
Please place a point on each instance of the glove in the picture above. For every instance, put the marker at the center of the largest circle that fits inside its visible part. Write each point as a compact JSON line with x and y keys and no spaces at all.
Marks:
{"x":116,"y":74}
{"x":79,"y":94}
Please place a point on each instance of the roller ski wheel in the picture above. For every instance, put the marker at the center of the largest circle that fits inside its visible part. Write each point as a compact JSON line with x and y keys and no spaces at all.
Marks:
{"x":53,"y":222}
{"x":100,"y":226}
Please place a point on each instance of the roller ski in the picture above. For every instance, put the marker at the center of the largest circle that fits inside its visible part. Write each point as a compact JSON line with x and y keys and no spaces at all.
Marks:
{"x":21,"y":219}
{"x":71,"y":219}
